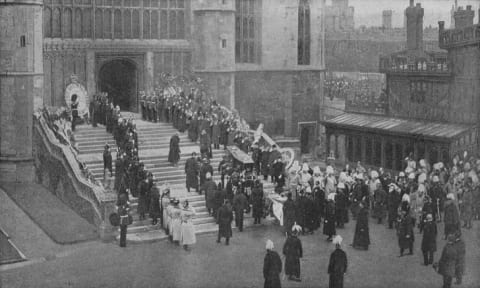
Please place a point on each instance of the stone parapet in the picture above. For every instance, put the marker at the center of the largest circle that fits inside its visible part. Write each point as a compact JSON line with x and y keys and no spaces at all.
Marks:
{"x":57,"y":169}
{"x":451,"y":38}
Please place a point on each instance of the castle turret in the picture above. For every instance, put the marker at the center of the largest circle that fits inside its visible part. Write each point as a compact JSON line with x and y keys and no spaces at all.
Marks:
{"x":414,"y":17}
{"x":21,"y":85}
{"x":214,"y":53}
{"x":464,"y":18}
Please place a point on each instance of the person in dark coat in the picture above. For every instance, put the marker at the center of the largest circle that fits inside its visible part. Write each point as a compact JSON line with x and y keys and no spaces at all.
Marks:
{"x":292,"y":249}
{"x":300,"y":212}
{"x":264,"y":161}
{"x":123,"y":207}
{"x":361,"y":239}
{"x":154,"y":209}
{"x":174,"y":152}
{"x":289,"y":213}
{"x":459,"y":246}
{"x":319,"y":196}
{"x":311,"y":213}
{"x":406,"y":237}
{"x":329,"y":222}
{"x":205,"y":144}
{"x":119,"y":172}
{"x":429,"y":241}
{"x":257,"y":202}
{"x":380,"y":200}
{"x":209,"y":188}
{"x":220,"y":196}
{"x":224,"y":220}
{"x":142,"y":198}
{"x":340,"y":206}
{"x":466,"y":204}
{"x":447,"y":262}
{"x":337,"y":266}
{"x":272,"y":267}
{"x":191,"y":169}
{"x":204,"y":169}
{"x":107,"y":161}
{"x":240,"y":203}
{"x":393,"y":201}
{"x":451,"y":216}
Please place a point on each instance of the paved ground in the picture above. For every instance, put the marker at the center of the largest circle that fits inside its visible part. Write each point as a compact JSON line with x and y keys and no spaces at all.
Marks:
{"x":239,"y":265}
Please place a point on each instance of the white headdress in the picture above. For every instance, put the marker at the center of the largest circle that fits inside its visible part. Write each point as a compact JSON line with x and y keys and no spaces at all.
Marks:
{"x":296,"y":228}
{"x":331,"y":196}
{"x":269,"y":245}
{"x":208,"y":175}
{"x":337,"y":240}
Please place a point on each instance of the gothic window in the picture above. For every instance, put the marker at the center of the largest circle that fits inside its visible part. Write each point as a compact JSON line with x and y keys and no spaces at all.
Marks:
{"x":56,"y":23}
{"x":107,"y":24}
{"x":99,"y":24}
{"x":127,"y":24}
{"x":154,"y":19}
{"x":146,"y":25}
{"x":78,"y":23}
{"x":117,"y":24}
{"x":304,"y":33}
{"x":418,"y":91}
{"x":135,"y":24}
{"x":246,"y":27}
{"x":47,"y":22}
{"x":87,"y":23}
{"x":172,"y":24}
{"x":67,"y":23}
{"x":164,"y":24}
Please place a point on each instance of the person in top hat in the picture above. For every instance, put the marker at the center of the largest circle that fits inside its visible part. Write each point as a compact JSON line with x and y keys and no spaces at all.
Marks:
{"x":272,"y":267}
{"x":257,"y":201}
{"x":123,"y":208}
{"x":205,"y":144}
{"x":447,"y":263}
{"x":292,"y":249}
{"x":337,"y":266}
{"x":429,"y":241}
{"x":107,"y":161}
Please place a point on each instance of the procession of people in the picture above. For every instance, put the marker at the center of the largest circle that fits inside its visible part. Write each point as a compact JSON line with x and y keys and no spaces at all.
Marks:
{"x":419,"y":197}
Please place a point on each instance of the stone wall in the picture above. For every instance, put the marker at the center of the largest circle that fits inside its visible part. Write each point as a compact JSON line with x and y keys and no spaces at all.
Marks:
{"x":279,"y":99}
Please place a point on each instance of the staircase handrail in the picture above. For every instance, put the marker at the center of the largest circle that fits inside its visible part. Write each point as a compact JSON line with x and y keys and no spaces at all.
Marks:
{"x":101,"y":200}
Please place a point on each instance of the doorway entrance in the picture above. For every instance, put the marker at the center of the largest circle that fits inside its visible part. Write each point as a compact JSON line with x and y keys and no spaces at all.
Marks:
{"x":120,"y":80}
{"x":308,"y":135}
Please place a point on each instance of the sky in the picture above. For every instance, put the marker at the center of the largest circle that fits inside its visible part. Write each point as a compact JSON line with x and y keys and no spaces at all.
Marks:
{"x":369,"y":12}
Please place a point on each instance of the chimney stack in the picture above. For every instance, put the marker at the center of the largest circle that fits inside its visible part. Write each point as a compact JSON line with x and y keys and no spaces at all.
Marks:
{"x":414,"y":16}
{"x":464,"y":18}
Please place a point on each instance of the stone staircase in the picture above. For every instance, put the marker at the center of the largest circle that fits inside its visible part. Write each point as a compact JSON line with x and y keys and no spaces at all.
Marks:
{"x":154,"y":140}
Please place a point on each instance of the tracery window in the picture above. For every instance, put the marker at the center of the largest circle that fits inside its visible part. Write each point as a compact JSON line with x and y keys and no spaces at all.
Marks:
{"x":247,"y":25}
{"x":115,"y":19}
{"x":303,"y":33}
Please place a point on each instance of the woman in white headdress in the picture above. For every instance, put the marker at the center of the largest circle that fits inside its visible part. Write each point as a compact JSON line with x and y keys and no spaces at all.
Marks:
{"x":187,"y":229}
{"x":292,"y":249}
{"x":337,"y":266}
{"x":272,"y":267}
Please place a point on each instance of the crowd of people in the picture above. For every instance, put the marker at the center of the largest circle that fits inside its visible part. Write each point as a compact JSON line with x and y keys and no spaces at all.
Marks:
{"x":417,"y":198}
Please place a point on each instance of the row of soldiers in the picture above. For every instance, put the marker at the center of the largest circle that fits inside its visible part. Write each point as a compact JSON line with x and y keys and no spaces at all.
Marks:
{"x":187,"y":114}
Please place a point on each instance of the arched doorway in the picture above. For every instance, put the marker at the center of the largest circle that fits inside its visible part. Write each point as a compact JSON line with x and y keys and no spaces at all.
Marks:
{"x":119,"y":79}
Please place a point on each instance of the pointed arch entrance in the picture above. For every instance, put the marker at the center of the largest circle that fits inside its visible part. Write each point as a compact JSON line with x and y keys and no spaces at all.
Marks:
{"x":120,"y":79}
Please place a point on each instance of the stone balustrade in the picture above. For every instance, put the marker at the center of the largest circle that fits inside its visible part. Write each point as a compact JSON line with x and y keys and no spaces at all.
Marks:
{"x":57,"y":169}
